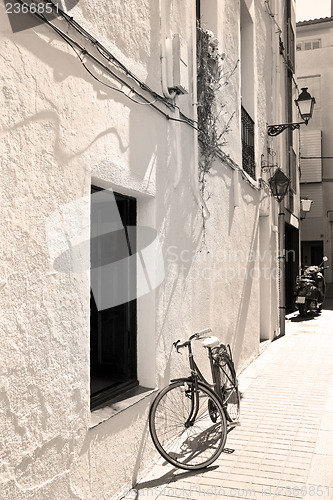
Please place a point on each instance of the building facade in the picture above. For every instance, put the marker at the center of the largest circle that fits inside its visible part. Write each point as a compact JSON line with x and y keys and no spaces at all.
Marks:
{"x":314,"y":67}
{"x":121,"y":232}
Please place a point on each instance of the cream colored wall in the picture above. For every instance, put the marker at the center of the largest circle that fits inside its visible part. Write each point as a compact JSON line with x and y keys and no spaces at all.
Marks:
{"x":62,"y":131}
{"x":310,"y":63}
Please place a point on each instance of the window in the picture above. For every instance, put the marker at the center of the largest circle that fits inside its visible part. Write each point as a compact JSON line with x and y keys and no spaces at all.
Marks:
{"x":292,"y":169}
{"x":290,"y":105}
{"x":309,"y":45}
{"x":247,"y":59}
{"x":112,"y":316}
{"x":248,"y":161}
{"x":247,"y":89}
{"x":291,"y":173}
{"x":291,"y":46}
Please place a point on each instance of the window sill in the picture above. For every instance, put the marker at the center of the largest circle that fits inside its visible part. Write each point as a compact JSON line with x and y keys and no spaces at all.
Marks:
{"x":118,"y":405}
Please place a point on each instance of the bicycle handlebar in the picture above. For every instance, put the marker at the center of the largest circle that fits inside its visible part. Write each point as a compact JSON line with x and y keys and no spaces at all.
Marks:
{"x":201,"y":334}
{"x":198,"y":335}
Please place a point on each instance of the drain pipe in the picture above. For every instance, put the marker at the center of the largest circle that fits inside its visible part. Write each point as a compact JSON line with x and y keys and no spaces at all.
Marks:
{"x":166,"y":92}
{"x":169,"y":94}
{"x":282,"y":265}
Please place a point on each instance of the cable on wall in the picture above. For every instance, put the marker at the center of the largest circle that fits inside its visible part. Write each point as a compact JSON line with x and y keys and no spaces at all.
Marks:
{"x":280,"y":32}
{"x":81,"y":52}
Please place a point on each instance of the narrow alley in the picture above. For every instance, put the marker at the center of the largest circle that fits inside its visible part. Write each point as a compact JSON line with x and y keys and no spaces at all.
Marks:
{"x":284,"y":446}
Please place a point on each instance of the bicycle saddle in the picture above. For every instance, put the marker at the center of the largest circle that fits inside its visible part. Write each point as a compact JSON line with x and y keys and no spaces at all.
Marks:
{"x":211,"y":342}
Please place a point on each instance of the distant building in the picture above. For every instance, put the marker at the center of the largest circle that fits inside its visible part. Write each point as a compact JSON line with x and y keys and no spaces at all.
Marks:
{"x":100,"y":165}
{"x":314,"y":68}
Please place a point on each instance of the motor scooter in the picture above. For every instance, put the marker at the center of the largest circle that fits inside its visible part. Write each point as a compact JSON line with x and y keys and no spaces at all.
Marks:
{"x":310,"y":289}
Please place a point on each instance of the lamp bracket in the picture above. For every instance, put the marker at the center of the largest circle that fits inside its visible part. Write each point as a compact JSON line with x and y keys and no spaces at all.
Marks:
{"x":274,"y":130}
{"x":266,"y":166}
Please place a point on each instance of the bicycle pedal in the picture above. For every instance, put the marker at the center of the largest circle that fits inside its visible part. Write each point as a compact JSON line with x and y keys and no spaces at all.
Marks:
{"x":233,"y":424}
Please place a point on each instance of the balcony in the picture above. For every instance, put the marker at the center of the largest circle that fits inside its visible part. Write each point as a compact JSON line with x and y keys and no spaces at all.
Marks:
{"x":248,"y":162}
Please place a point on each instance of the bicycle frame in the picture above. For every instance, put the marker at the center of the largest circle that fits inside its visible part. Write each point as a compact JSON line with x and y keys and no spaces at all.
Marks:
{"x":196,"y":376}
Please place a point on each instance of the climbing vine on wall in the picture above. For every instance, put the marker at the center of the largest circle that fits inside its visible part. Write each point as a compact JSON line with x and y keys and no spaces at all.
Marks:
{"x":210,"y":79}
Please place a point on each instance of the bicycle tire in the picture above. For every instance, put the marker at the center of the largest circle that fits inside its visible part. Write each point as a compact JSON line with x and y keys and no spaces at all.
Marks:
{"x":229,"y":388}
{"x":197,"y":446}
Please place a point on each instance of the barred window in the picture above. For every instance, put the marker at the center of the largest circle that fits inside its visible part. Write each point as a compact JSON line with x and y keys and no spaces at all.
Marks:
{"x":248,"y":162}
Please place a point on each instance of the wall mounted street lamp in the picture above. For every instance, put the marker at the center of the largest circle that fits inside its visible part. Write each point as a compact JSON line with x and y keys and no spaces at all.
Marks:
{"x":305,"y":208}
{"x":306,"y":205}
{"x":305,"y":105}
{"x":279,"y":184}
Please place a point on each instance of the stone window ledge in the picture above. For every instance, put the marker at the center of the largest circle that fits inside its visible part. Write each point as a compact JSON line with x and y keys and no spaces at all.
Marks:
{"x":119,"y":404}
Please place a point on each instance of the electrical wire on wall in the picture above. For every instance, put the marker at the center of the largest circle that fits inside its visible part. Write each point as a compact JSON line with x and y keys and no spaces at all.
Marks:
{"x":133,"y":94}
{"x":81,"y":51}
{"x":281,"y":48}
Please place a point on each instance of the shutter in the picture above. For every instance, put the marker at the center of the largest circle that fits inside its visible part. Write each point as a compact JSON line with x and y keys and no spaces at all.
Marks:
{"x":292,"y":169}
{"x":311,"y":168}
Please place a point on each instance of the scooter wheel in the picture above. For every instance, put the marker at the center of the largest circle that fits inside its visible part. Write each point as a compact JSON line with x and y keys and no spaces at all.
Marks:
{"x":302,"y":309}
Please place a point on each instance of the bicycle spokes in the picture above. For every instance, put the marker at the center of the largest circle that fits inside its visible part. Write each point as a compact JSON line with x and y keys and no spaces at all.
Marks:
{"x":188,"y":437}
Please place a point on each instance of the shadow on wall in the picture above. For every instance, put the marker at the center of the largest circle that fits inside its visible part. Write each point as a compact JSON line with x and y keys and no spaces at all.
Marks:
{"x":250,"y":200}
{"x":243,"y":310}
{"x":60,"y":154}
{"x":101,"y":451}
{"x":144,"y":132}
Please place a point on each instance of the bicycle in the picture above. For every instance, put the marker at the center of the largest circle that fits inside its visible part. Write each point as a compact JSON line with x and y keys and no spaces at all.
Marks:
{"x":188,"y":418}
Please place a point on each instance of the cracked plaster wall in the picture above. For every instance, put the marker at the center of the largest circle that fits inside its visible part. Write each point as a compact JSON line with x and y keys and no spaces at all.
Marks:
{"x":59,"y":131}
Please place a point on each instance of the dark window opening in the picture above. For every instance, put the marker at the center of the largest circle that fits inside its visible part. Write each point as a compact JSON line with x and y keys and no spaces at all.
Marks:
{"x":291,"y":47}
{"x":198,"y":11}
{"x":248,"y":161}
{"x":312,"y":253}
{"x":290,"y":107}
{"x":291,"y":264}
{"x":112,"y":329}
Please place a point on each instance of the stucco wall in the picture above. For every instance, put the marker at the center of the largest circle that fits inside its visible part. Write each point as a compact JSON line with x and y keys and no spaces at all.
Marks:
{"x":62,"y":131}
{"x":318,"y":62}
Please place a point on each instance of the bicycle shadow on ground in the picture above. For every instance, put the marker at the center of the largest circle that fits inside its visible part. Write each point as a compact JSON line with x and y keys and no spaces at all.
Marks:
{"x":168,"y":478}
{"x":156,"y":485}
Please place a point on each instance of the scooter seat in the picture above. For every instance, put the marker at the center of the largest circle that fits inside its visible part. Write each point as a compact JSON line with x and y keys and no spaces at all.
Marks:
{"x":307,"y":280}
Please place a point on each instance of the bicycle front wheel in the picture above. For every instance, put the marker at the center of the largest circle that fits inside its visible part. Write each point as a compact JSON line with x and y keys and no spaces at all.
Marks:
{"x":188,"y":427}
{"x":229,"y":389}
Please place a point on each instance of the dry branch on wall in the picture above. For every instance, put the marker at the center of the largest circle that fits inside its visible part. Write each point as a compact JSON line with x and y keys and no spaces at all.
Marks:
{"x":210,"y":79}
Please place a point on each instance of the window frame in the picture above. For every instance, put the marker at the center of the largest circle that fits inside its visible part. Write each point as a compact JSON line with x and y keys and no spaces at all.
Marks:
{"x":248,"y":143}
{"x":130,"y":359}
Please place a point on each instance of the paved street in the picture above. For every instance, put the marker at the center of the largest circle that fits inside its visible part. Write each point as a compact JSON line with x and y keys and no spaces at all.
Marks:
{"x":284,"y":446}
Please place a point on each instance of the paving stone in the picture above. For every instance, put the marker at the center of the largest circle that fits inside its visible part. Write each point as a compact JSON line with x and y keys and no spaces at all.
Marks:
{"x":326,"y":422}
{"x":321,"y":471}
{"x":324,"y":444}
{"x":285,"y":443}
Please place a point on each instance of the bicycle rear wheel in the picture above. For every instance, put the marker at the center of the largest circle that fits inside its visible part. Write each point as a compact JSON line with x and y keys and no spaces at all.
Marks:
{"x":188,"y":445}
{"x":229,"y":389}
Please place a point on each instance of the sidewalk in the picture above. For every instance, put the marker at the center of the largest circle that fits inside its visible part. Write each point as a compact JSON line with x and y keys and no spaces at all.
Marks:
{"x":284,"y":446}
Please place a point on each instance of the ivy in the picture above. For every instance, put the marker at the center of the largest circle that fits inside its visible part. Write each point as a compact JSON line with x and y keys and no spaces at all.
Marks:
{"x":210,"y":79}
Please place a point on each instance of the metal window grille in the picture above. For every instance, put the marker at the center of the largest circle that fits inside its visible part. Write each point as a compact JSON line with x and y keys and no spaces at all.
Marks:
{"x":248,"y":144}
{"x":292,"y":169}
